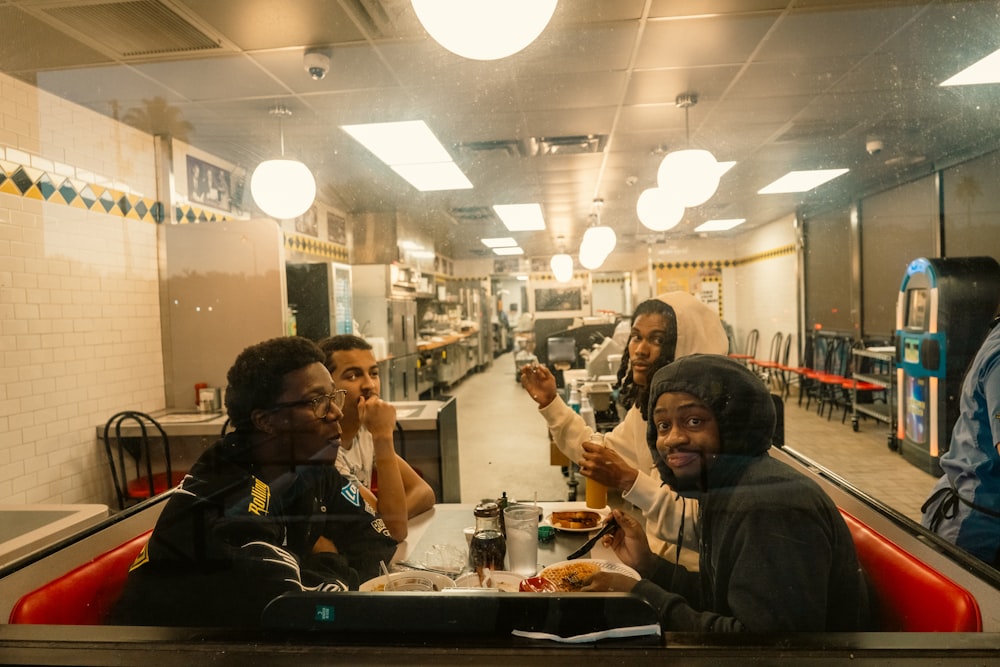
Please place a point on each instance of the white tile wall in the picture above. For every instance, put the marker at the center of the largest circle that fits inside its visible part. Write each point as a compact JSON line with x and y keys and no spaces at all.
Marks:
{"x":79,"y":302}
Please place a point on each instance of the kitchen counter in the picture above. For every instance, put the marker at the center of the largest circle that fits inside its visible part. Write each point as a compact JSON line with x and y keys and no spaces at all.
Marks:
{"x":445,"y":340}
{"x":25,"y":529}
{"x":177,"y":423}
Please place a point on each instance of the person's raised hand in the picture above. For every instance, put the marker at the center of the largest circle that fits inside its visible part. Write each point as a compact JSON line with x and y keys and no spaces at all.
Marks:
{"x":604,"y":465}
{"x":376,"y":415}
{"x":630,"y":544}
{"x":539,"y":382}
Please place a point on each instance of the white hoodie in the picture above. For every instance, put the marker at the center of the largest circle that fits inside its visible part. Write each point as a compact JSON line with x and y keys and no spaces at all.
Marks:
{"x":699,"y":329}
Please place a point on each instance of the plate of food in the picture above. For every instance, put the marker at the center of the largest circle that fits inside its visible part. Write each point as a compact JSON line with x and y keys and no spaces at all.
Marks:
{"x":576,"y":521}
{"x":569,"y":575}
{"x":501,"y":581}
{"x":410,"y":580}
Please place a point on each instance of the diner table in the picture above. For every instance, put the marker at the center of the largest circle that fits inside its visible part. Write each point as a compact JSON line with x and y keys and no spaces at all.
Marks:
{"x":485,"y":617}
{"x":443,"y":526}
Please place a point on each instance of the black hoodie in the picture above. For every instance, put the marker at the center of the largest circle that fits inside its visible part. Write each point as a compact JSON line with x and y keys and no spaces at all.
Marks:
{"x":775,"y":554}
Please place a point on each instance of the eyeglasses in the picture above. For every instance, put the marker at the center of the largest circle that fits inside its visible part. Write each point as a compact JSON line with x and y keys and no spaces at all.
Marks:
{"x":320,"y":405}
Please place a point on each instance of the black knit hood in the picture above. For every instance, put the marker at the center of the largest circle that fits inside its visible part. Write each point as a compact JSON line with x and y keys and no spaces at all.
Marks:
{"x":740,"y":401}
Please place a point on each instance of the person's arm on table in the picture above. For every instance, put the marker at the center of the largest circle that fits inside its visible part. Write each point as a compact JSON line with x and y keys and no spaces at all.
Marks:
{"x":419,"y":494}
{"x":379,"y":417}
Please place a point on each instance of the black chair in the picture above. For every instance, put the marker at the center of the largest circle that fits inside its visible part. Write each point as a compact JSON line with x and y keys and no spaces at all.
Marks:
{"x":750,"y":351}
{"x":147,"y":449}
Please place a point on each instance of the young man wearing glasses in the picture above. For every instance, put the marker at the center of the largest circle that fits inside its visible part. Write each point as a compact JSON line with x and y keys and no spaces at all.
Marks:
{"x":263,"y":511}
{"x":367,"y":451}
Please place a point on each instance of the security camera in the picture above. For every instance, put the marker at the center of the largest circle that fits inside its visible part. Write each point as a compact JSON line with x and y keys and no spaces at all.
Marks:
{"x":317,"y":63}
{"x":873,"y":146}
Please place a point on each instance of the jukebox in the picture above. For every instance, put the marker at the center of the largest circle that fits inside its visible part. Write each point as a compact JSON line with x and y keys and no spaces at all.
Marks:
{"x":944,"y":309}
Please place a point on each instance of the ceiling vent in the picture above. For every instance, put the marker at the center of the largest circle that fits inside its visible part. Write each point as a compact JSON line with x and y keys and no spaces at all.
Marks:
{"x":136,"y":29}
{"x":506,"y":147}
{"x":568,"y":145}
{"x":473,"y":213}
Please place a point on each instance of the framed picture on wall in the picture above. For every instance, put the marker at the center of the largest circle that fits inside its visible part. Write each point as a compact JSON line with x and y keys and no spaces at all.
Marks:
{"x":308,"y":222}
{"x":209,"y":184}
{"x":558,"y":299}
{"x":336,"y":228}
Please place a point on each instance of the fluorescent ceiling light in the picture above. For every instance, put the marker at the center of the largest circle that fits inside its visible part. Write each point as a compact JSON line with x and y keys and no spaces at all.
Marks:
{"x":499,"y":242}
{"x":436,"y":176}
{"x":801,"y":181}
{"x":404,"y":142}
{"x":986,"y":70}
{"x":521,"y":277}
{"x":509,"y":251}
{"x":719,"y":225}
{"x":521,"y":217}
{"x":725,"y":166}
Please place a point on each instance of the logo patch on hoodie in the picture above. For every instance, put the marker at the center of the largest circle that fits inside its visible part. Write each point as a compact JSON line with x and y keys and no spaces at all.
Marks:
{"x":351,"y":493}
{"x":260,"y":498}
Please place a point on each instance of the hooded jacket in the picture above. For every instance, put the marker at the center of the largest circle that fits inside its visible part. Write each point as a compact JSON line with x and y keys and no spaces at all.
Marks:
{"x":227,"y":543}
{"x":698,"y":329}
{"x":775,"y":554}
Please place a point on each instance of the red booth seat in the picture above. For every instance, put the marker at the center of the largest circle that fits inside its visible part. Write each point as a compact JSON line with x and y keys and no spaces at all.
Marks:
{"x":911,"y":596}
{"x":84,"y":595}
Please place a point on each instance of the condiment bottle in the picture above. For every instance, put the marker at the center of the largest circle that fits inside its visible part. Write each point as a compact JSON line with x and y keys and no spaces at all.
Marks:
{"x":597,"y":493}
{"x":488,"y":548}
{"x":502,"y":503}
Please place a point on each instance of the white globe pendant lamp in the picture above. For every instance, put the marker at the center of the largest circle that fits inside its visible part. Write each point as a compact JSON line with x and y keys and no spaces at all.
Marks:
{"x":484,"y":29}
{"x":562,"y":267}
{"x":283,"y":188}
{"x":598,"y":242}
{"x":658,"y":211}
{"x":690,"y":175}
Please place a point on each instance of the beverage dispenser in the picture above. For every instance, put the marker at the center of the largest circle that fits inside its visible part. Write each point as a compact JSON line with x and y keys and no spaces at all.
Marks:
{"x":943,"y":311}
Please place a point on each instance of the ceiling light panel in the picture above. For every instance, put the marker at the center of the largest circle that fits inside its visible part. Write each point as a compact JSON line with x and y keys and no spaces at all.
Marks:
{"x":432,"y":177}
{"x":719,"y":225}
{"x":404,"y":142}
{"x":509,"y":251}
{"x":521,"y":217}
{"x":801,"y":181}
{"x":986,"y":70}
{"x":499,"y":242}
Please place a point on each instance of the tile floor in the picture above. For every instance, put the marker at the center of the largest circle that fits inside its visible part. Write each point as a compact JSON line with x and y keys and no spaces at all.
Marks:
{"x":504,"y":446}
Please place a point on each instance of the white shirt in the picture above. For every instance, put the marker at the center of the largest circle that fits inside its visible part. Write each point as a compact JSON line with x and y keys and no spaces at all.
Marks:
{"x":357,"y":463}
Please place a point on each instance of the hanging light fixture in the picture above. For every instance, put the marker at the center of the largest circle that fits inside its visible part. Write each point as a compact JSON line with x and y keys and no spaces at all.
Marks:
{"x":658,"y":211}
{"x":599,"y":240}
{"x":562,"y":264}
{"x":283,"y":188}
{"x":690,"y":175}
{"x":484,"y":29}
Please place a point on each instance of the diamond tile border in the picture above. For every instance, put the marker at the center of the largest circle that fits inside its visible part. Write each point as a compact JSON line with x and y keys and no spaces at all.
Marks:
{"x":23,"y":180}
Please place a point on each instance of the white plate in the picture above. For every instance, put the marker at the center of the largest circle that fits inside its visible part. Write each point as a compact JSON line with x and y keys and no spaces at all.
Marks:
{"x":600,"y":523}
{"x":509,"y":582}
{"x":410,"y":580}
{"x":603,"y":565}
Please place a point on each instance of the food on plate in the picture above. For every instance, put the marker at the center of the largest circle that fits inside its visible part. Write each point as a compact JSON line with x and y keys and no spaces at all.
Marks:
{"x":570,"y":577}
{"x":537,"y":585}
{"x":579,"y":520}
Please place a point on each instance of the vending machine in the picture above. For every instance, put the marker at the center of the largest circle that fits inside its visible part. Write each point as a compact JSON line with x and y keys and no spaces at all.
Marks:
{"x":943,"y":312}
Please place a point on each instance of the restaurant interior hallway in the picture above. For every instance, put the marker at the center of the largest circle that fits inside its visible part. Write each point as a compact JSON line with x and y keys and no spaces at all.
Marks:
{"x":503,"y":446}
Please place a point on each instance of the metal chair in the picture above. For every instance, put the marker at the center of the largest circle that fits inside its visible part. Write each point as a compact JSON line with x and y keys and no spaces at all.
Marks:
{"x":767,"y":368}
{"x":138,"y":448}
{"x":750,"y":351}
